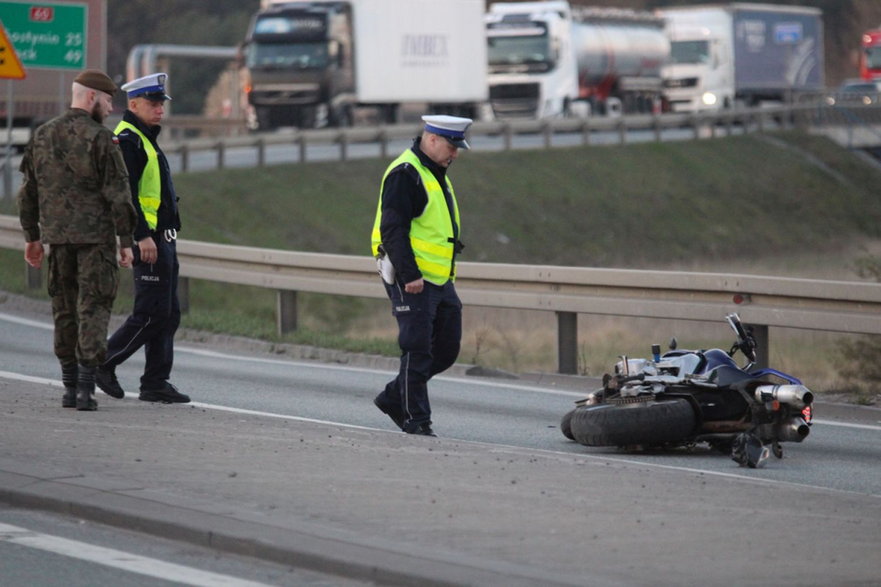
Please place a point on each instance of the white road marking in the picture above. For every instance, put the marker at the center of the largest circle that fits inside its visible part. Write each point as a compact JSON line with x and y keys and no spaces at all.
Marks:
{"x":312,"y":365}
{"x":119,"y":559}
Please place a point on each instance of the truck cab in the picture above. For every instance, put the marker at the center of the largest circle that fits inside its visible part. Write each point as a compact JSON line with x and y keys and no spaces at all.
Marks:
{"x":298,"y":65}
{"x":699,"y":73}
{"x":532,"y":68}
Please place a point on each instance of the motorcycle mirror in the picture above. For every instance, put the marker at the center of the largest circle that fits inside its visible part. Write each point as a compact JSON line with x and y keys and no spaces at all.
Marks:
{"x":673,"y":344}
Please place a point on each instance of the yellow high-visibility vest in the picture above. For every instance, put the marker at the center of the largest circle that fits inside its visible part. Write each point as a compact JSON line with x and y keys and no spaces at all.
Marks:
{"x":150,"y":184}
{"x":431,"y":233}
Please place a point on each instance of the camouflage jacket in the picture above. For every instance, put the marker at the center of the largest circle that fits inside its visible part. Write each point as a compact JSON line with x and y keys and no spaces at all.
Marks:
{"x":75,"y":187}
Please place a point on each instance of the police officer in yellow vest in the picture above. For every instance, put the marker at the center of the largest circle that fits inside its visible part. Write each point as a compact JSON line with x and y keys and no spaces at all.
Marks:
{"x":416,"y":232}
{"x":156,"y":313}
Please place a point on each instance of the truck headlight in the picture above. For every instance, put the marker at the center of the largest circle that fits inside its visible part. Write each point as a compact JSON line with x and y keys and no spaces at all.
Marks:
{"x":709,"y":99}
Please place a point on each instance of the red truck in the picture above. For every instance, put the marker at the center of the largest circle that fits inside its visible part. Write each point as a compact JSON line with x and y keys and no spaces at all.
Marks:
{"x":870,"y":55}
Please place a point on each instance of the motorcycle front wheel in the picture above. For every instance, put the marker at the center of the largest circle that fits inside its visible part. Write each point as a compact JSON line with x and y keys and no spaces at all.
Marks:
{"x":649,"y":423}
{"x":566,"y":425}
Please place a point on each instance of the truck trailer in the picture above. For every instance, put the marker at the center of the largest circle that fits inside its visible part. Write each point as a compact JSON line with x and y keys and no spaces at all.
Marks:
{"x":741,"y":54}
{"x":549,"y":59}
{"x":315,"y":63}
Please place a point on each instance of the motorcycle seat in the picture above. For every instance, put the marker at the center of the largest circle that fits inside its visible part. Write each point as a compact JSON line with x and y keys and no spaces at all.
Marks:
{"x":726,"y":375}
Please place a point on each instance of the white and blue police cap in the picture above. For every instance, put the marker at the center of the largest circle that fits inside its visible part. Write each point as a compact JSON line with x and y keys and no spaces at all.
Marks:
{"x":451,"y":128}
{"x":151,"y":87}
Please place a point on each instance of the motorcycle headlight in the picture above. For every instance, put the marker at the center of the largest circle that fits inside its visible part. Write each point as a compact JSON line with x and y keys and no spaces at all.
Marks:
{"x":709,"y":99}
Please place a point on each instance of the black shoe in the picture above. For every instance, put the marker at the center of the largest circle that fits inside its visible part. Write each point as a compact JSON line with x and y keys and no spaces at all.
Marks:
{"x":85,"y":389}
{"x":70,"y":379}
{"x":86,"y":403}
{"x":420,"y":430}
{"x":68,"y":400}
{"x":168,"y":394}
{"x":392,"y":412}
{"x":107,"y":382}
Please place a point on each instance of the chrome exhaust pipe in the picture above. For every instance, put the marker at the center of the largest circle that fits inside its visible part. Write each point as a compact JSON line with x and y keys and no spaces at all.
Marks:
{"x":798,"y":396}
{"x":792,"y":430}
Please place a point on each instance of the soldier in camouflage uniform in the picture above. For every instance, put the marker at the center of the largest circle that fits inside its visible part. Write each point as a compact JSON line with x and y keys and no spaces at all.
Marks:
{"x":75,"y":197}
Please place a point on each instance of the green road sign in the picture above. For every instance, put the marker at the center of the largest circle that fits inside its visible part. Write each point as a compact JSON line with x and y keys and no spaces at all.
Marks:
{"x":47,"y":35}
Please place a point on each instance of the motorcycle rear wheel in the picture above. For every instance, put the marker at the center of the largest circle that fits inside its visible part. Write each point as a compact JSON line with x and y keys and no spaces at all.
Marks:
{"x":650,"y":423}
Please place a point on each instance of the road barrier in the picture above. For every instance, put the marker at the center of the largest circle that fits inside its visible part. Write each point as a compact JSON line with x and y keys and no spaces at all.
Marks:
{"x":762,"y":301}
{"x":818,"y":117}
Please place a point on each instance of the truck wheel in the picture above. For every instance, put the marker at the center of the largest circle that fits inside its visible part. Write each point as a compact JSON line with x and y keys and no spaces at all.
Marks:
{"x":649,"y":423}
{"x":341,"y":116}
{"x":263,"y":118}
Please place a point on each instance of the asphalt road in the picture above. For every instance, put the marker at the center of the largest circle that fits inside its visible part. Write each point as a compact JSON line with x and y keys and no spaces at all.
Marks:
{"x":48,"y":550}
{"x":545,"y":507}
{"x":838,"y":454}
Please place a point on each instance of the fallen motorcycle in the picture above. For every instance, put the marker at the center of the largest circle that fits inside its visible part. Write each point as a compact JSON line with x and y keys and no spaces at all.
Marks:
{"x":686,"y":397}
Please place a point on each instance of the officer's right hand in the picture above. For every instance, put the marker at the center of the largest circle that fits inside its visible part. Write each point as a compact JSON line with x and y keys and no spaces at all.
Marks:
{"x":147,"y":250}
{"x":414,"y":286}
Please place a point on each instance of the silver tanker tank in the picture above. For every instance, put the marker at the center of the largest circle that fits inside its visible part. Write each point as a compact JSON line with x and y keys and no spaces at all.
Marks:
{"x":619,"y":54}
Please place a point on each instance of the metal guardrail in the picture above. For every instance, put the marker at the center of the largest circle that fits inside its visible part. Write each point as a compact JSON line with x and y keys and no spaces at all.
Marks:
{"x":704,"y":125}
{"x":854,"y":127}
{"x":834,"y":306}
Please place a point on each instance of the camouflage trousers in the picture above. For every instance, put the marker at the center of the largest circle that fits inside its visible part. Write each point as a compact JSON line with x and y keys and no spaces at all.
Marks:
{"x":83,"y":281}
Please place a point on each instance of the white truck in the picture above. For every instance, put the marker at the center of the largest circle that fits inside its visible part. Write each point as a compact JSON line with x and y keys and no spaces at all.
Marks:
{"x":549,"y":59}
{"x":741,"y":54}
{"x":314,"y":63}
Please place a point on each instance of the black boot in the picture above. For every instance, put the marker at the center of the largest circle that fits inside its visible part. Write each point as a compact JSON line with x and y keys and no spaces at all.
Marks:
{"x":69,"y":379}
{"x":85,"y":389}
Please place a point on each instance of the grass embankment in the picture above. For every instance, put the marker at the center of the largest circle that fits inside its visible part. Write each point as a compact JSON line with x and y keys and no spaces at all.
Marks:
{"x":789,"y":203}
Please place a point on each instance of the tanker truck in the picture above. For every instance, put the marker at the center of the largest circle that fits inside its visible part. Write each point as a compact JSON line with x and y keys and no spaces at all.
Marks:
{"x":549,"y":59}
{"x":723,"y":56}
{"x":315,"y":63}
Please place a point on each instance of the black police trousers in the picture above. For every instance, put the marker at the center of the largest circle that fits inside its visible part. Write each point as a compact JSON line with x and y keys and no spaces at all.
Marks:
{"x":154,"y":319}
{"x":429,"y":334}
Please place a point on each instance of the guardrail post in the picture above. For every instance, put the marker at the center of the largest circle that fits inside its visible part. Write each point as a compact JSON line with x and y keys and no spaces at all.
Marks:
{"x":344,"y":145}
{"x":183,"y":294}
{"x":656,"y":127}
{"x":221,"y":154}
{"x":184,"y":157}
{"x":286,"y":311}
{"x":547,"y":133}
{"x":383,"y":143}
{"x":261,"y":152}
{"x":585,"y":131}
{"x":622,"y":132}
{"x":760,"y":333}
{"x":33,"y":277}
{"x":301,"y":141}
{"x":509,"y":136}
{"x":567,"y":342}
{"x":7,"y":176}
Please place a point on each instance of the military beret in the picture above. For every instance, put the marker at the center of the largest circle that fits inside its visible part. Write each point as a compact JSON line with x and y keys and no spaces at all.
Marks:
{"x":96,"y":80}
